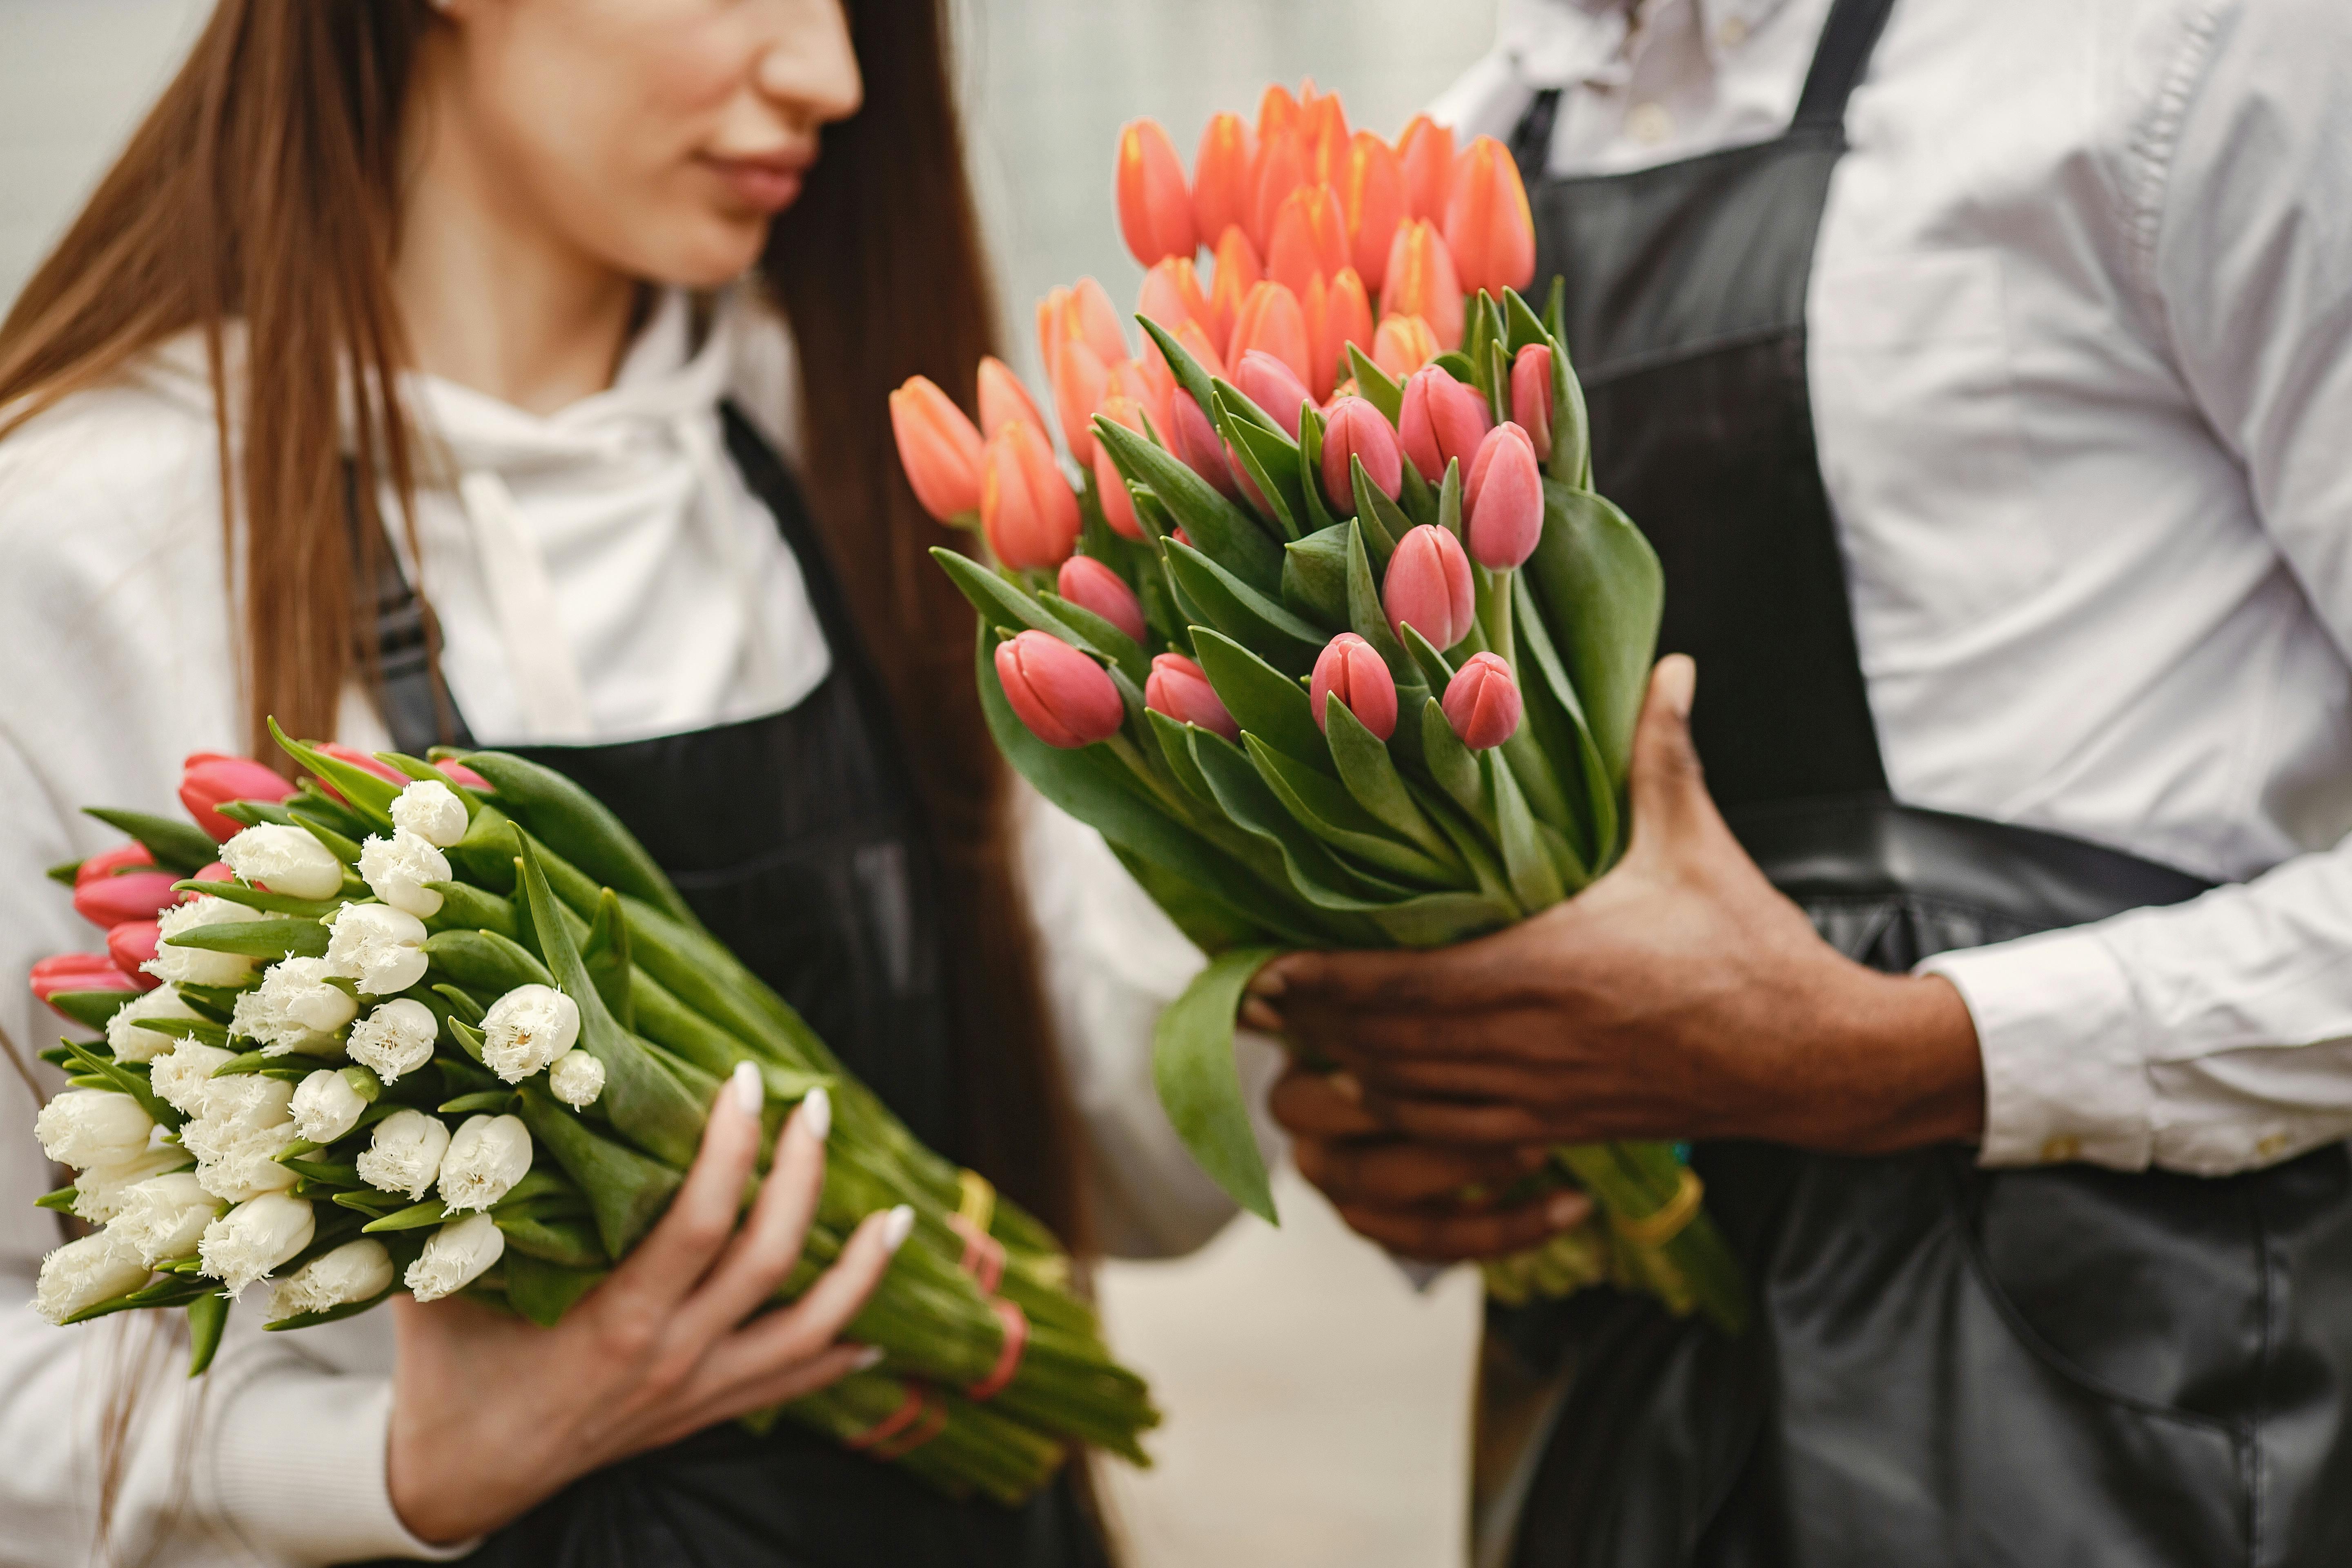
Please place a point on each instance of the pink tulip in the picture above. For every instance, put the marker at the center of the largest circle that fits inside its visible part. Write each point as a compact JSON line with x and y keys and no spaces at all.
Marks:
{"x":1091,"y":586}
{"x":136,"y":895}
{"x":1531,"y":397}
{"x":114,"y":862}
{"x":1482,"y":702}
{"x":219,"y":872}
{"x":1428,"y":588}
{"x":1155,"y":210}
{"x":209,"y":780}
{"x":457,"y":773}
{"x":1194,"y":441}
{"x":132,"y":944}
{"x":1003,"y":400}
{"x":1063,"y":696}
{"x":1357,"y":429}
{"x":1350,"y":670}
{"x":1027,"y":509}
{"x":1269,"y":382}
{"x":1180,"y":689}
{"x":937,"y":446}
{"x":70,"y":971}
{"x":1503,"y":504}
{"x":1442,"y":421}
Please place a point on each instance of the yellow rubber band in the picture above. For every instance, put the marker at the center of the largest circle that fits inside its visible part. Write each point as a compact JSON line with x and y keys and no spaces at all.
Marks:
{"x":1651,"y":1231}
{"x":979,"y":1205}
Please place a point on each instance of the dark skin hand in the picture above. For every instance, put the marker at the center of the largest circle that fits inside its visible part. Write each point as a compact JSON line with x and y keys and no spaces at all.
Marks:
{"x":1679,"y":996}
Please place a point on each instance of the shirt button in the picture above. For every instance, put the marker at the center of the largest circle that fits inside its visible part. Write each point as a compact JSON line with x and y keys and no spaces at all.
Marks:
{"x":2271,"y":1147}
{"x":1733,"y":33}
{"x":2060,"y":1149}
{"x":1650,"y":123}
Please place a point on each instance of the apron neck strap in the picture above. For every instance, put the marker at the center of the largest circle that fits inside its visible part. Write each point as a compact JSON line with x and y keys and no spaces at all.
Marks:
{"x":1847,"y":39}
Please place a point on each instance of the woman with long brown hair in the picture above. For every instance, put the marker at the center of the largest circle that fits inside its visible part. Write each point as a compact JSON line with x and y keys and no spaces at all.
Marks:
{"x":401,"y":381}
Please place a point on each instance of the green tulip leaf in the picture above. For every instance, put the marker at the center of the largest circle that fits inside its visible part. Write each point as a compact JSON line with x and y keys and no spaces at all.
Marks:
{"x":1201,"y":1089}
{"x":181,"y":846}
{"x":1452,"y":764}
{"x":1326,"y":809}
{"x":1345,"y":894}
{"x":1418,"y":497}
{"x":1383,"y":522}
{"x":1374,"y":385}
{"x":1599,"y":588}
{"x":1261,"y":698}
{"x":1315,"y":575}
{"x":1125,"y":654}
{"x":1371,"y":776}
{"x":279,"y":937}
{"x":1318,"y":514}
{"x":1187,"y":370}
{"x":1215,"y":526}
{"x":1449,"y":499}
{"x":1231,"y":606}
{"x":1534,"y":880}
{"x":1175,"y":738}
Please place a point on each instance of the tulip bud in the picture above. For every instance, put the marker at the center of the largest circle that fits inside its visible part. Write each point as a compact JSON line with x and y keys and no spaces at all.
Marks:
{"x":1080,"y":380}
{"x":404,"y":1153}
{"x":71,"y":971}
{"x":1093,"y":318}
{"x":165,"y":1216}
{"x":114,"y":862}
{"x":1349,"y":669}
{"x":1322,"y":135}
{"x":458,"y":1254}
{"x":1277,"y":110}
{"x":190,"y":965}
{"x":217,"y":871}
{"x":1172,"y":295}
{"x":1354,"y":428}
{"x":1272,"y":323}
{"x":1003,"y":400}
{"x":431,"y":810}
{"x":400,"y":870}
{"x":1403,"y":344}
{"x":285,"y":859}
{"x":1425,"y":157}
{"x":1239,"y":270}
{"x":1428,"y":588}
{"x":1274,"y":388}
{"x":1371,"y":203}
{"x":131,"y":945}
{"x":181,"y":1075}
{"x":1206,"y":354}
{"x":1089,"y":584}
{"x":1194,"y":442}
{"x":326,"y":1106}
{"x":939,"y":449}
{"x":1142,"y":386}
{"x":1336,"y":317}
{"x":1422,"y":282}
{"x":1309,"y":239}
{"x":1281,"y":169}
{"x":1180,"y":689}
{"x":297,"y":1008}
{"x":1442,"y":421}
{"x":1110,"y":485}
{"x":255,"y":1237}
{"x":1027,"y":510}
{"x":1221,"y":176}
{"x":527,"y":1028}
{"x":378,"y":946}
{"x":85,"y":1127}
{"x":357,"y":1271}
{"x":102,"y":1192}
{"x":1482,"y":702}
{"x":1064,"y":697}
{"x":1155,"y":211}
{"x":576,"y":1078}
{"x":1531,"y":397}
{"x":209,"y":779}
{"x":1503,"y":504}
{"x":395,"y":1038}
{"x":1489,"y":229}
{"x":129,"y":1042}
{"x":81,"y":1274}
{"x":135,"y":896}
{"x":487,"y":1157}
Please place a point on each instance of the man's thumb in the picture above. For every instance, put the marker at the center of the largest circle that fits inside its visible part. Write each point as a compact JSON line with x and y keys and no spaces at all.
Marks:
{"x":1667,"y":785}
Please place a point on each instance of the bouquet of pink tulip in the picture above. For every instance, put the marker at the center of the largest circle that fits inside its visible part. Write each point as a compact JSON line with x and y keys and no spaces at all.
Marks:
{"x":1332,"y":639}
{"x":448,"y":1028}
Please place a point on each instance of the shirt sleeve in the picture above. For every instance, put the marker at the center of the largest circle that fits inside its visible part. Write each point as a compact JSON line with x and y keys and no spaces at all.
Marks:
{"x":2217,"y":1036}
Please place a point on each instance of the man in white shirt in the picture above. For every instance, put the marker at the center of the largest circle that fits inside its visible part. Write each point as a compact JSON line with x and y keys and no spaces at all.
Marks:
{"x":1982,"y":382}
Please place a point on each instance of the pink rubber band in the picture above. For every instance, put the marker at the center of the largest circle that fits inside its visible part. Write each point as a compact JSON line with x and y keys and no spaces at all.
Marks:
{"x":1008,"y":1359}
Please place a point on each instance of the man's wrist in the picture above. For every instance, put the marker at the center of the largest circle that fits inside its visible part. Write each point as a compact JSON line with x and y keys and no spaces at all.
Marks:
{"x":1903,"y":1069}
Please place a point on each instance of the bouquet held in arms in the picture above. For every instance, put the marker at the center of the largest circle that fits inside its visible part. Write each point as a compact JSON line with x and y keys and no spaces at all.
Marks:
{"x":1331,"y":636}
{"x":449,"y":1029}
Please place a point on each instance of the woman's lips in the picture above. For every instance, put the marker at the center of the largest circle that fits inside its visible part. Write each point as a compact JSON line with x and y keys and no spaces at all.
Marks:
{"x":770,"y":184}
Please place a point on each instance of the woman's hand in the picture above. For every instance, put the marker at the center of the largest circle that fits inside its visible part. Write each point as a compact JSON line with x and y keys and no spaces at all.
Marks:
{"x":492,"y":1414}
{"x":1680,"y":996}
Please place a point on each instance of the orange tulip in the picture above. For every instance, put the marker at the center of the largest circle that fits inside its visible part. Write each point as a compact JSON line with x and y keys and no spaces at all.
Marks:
{"x":1132,"y":381}
{"x":1402,"y":346}
{"x":1221,"y":176}
{"x":1110,"y":487}
{"x":1080,"y":380}
{"x":1322,"y":135}
{"x":1052,"y":311}
{"x":1158,"y":381}
{"x":1425,"y":153}
{"x":1272,"y":323}
{"x":1422,"y":282}
{"x":1277,"y":110}
{"x":1027,"y":509}
{"x":1238,"y":272}
{"x":1155,"y":210}
{"x":1489,"y":226}
{"x":1281,"y":169}
{"x":1195,"y":341}
{"x":1371,"y":201}
{"x":1336,"y":317}
{"x":1098,"y":320}
{"x":1310,"y":238}
{"x":1002,"y":399}
{"x":1172,"y":294}
{"x":939,"y":448}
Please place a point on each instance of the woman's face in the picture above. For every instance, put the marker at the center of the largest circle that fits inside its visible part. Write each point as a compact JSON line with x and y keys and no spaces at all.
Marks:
{"x":658,"y":137}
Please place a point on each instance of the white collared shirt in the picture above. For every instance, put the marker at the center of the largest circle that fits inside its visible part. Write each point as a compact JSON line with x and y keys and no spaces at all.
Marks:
{"x":2081,"y":367}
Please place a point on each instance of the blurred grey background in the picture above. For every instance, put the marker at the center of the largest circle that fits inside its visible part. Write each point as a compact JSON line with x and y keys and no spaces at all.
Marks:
{"x":1317,"y":1407}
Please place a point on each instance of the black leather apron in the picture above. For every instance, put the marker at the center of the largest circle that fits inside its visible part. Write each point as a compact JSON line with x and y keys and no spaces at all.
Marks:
{"x":796,"y":837}
{"x":1949,"y":1365}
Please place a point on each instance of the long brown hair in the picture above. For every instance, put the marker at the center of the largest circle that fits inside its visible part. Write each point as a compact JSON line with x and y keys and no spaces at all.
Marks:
{"x":263,"y":189}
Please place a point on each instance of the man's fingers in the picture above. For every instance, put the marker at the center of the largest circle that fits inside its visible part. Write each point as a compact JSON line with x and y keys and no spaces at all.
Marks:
{"x":1394,"y":1174}
{"x":1448,"y":1122}
{"x":680,"y":1249}
{"x":1469,"y":974}
{"x":1320,"y":1105}
{"x":1446,"y":1236}
{"x":768,"y":1242}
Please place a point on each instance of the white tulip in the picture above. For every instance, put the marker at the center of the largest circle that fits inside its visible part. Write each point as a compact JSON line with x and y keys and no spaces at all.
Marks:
{"x":241,"y":1100}
{"x":485,"y":1159}
{"x":165,"y":1216}
{"x":404,"y":1154}
{"x":197,"y":966}
{"x":128,"y":1041}
{"x":527,"y":1028}
{"x":183,"y":1076}
{"x":356,"y":1271}
{"x":576,"y":1077}
{"x":431,"y":810}
{"x":255,"y":1237}
{"x":295,"y":1009}
{"x":379,"y":946}
{"x":84,"y":1273}
{"x":285,"y":859}
{"x":397,"y":1037}
{"x":85,"y":1127}
{"x":236,"y":1160}
{"x":326,"y":1106}
{"x":457,"y":1254}
{"x":101,"y":1192}
{"x":398,"y":869}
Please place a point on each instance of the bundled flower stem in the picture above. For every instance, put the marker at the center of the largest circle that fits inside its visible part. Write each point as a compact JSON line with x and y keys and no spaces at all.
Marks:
{"x":448,"y":1028}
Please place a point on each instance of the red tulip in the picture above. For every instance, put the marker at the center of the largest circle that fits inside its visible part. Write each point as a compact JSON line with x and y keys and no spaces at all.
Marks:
{"x":1272,"y":323}
{"x":1194,"y":441}
{"x":209,"y":780}
{"x":1080,"y":380}
{"x":1336,"y":317}
{"x":137,"y":896}
{"x":1003,"y":400}
{"x":1027,"y":506}
{"x":937,"y":446}
{"x":1089,"y":584}
{"x":1422,"y":282}
{"x":1532,"y":396}
{"x":132,"y":944}
{"x":1180,"y":689}
{"x":1354,"y":428}
{"x":1269,"y":382}
{"x":1221,"y":170}
{"x":1172,"y":295}
{"x":1309,"y":239}
{"x":1442,"y":421}
{"x":1489,"y":226}
{"x":1425,"y":157}
{"x":131,"y":857}
{"x":69,"y":972}
{"x":1482,"y":702}
{"x":1239,"y":270}
{"x":1063,"y":696}
{"x":1155,"y":211}
{"x":1503,"y":505}
{"x":1402,"y":344}
{"x":1348,"y":669}
{"x":1428,"y":588}
{"x":1371,"y":201}
{"x":1281,"y":169}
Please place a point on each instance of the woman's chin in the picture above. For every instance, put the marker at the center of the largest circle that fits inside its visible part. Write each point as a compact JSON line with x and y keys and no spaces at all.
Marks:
{"x":705,"y":252}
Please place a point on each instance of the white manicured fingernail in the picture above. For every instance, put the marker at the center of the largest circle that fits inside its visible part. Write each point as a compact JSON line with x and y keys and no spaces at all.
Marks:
{"x":870,"y":1356}
{"x":749,"y":1092}
{"x":816,"y":1114}
{"x":897,"y":1227}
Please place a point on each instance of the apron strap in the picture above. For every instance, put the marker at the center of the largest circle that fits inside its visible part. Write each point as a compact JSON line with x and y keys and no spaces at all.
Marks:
{"x":1847,"y":40}
{"x":1530,"y":141}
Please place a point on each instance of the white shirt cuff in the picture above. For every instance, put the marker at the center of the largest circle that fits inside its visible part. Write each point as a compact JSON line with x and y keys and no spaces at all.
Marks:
{"x":2065,"y":1044}
{"x":298,"y":1469}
